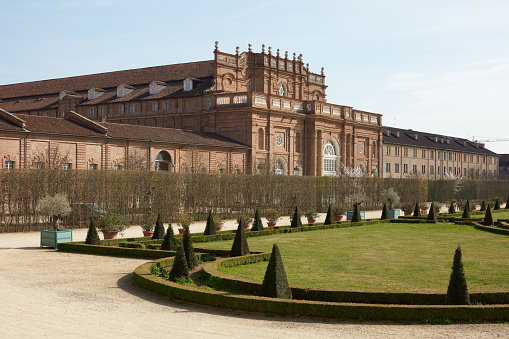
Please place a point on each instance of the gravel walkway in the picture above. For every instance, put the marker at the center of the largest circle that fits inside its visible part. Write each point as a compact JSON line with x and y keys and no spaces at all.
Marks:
{"x":45,"y":293}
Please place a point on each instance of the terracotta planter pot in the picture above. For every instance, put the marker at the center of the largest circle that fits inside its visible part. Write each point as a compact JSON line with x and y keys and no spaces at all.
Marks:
{"x":218,"y":228}
{"x":182,"y":230}
{"x":110,"y":235}
{"x":271,"y":224}
{"x":148,"y":233}
{"x":338,"y":217}
{"x":311,"y":221}
{"x":246,"y":226}
{"x":407,"y":212}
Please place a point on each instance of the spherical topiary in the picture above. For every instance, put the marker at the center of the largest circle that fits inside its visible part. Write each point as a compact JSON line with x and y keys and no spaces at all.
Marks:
{"x":457,"y":292}
{"x":296,"y":222}
{"x":329,"y":218}
{"x":210,"y":227}
{"x":92,"y":235}
{"x":189,"y":250}
{"x":239,"y":247}
{"x":488,"y":218}
{"x":179,"y":268}
{"x":417,"y":210}
{"x":257,"y":223}
{"x":466,"y":210}
{"x":169,"y":242}
{"x":275,"y":283}
{"x":385,"y":213}
{"x":159,"y":229}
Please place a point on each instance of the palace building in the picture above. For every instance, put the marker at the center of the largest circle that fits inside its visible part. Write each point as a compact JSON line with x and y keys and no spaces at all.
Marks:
{"x":268,"y":109}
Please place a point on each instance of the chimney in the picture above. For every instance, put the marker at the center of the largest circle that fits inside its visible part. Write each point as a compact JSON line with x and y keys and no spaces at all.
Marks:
{"x":103,"y":118}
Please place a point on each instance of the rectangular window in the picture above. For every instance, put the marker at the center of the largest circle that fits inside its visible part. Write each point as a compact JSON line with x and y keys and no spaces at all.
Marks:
{"x":415,"y":153}
{"x":67,"y":165}
{"x":405,"y":152}
{"x":438,"y":155}
{"x":101,"y":111}
{"x":431,"y":154}
{"x":388,"y":167}
{"x":121,"y":109}
{"x":132,"y":108}
{"x":154,"y":106}
{"x":464,"y":171}
{"x":445,"y":156}
{"x":431,"y":169}
{"x":396,"y":168}
{"x":92,"y":166}
{"x":9,"y":164}
{"x":423,"y":169}
{"x":405,"y":168}
{"x":117,"y":167}
{"x":62,"y":114}
{"x":166,"y":106}
{"x":414,"y":169}
{"x":423,"y":154}
{"x":464,"y":157}
{"x":396,"y":151}
{"x":438,"y":170}
{"x":450,"y":155}
{"x":388,"y":150}
{"x":39,"y":165}
{"x":454,"y":156}
{"x":483,"y":160}
{"x":477,"y":159}
{"x":91,"y":112}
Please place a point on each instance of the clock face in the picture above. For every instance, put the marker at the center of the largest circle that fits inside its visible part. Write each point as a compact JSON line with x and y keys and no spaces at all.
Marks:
{"x":279,"y":139}
{"x":361,"y":147}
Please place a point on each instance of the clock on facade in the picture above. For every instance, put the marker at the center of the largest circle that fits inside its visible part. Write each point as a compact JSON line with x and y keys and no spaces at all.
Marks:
{"x":361,"y":147}
{"x":279,"y":140}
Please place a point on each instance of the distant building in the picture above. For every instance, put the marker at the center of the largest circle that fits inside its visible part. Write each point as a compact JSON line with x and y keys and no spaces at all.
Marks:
{"x":504,"y":166}
{"x":268,"y":101}
{"x":409,"y":153}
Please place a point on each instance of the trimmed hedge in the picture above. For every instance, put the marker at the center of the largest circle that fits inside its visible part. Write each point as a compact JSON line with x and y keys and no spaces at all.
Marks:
{"x":81,"y":247}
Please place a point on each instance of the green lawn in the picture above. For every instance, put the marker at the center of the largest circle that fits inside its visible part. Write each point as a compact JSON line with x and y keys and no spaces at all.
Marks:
{"x":500,"y":214}
{"x":396,"y":257}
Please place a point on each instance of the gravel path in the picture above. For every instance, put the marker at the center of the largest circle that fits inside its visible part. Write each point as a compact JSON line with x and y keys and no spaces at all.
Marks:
{"x":45,"y":293}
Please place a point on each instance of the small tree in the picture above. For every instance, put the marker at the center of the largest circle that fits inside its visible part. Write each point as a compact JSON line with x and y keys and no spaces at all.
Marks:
{"x":329,"y":218}
{"x":210,"y":227}
{"x":56,"y":207}
{"x":356,"y":217}
{"x":275,"y":283}
{"x":92,"y":235}
{"x":391,"y":197}
{"x":417,"y":210}
{"x":159,"y":229}
{"x":466,"y":210}
{"x":239,"y":247}
{"x":296,"y":222}
{"x":488,"y":218}
{"x":457,"y":292}
{"x":189,"y":250}
{"x":385,"y":213}
{"x":483,"y":206}
{"x":452,"y":208}
{"x":432,"y":215}
{"x":179,"y":268}
{"x":257,"y":223}
{"x":497,"y":205}
{"x":169,"y":242}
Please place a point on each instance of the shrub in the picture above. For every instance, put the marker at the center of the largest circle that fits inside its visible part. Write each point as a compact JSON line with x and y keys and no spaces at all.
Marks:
{"x":452,"y":208}
{"x":148,"y":222}
{"x":272,"y":215}
{"x":92,"y":235}
{"x":466,"y":210}
{"x":483,"y":206}
{"x":407,"y":207}
{"x":338,"y":210}
{"x":391,"y":197}
{"x":184,"y":220}
{"x":356,"y":217}
{"x":296,"y":222}
{"x":275,"y":283}
{"x":179,"y":269}
{"x":457,"y":292}
{"x":417,"y":210}
{"x":239,"y":247}
{"x":329,"y":218}
{"x":159,"y":229}
{"x":244,"y":219}
{"x":432,"y":212}
{"x":257,"y":223}
{"x":385,"y":213}
{"x":112,"y":222}
{"x":210,"y":227}
{"x":497,"y":205}
{"x":311,"y":214}
{"x":169,"y":242}
{"x":488,"y":218}
{"x":56,"y":207}
{"x":189,"y":250}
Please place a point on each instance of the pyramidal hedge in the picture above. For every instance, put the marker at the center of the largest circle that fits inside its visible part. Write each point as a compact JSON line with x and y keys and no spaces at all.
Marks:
{"x":296,"y":222}
{"x":179,"y":268}
{"x":159,"y":229}
{"x":457,"y":292}
{"x":329,"y":218}
{"x":239,"y":247}
{"x":92,"y":235}
{"x":275,"y":283}
{"x":169,"y":242}
{"x":210,"y":227}
{"x":257,"y":223}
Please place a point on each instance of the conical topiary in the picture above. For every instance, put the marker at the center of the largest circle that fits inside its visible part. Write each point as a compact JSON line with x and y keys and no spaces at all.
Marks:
{"x":257,"y":223}
{"x":296,"y":222}
{"x":417,"y":210}
{"x":432,"y":215}
{"x":169,"y":242}
{"x":497,"y":205}
{"x":239,"y":247}
{"x":483,"y":206}
{"x":189,"y":250}
{"x":488,"y":218}
{"x":92,"y":235}
{"x":159,"y":229}
{"x":466,"y":210}
{"x":457,"y":292}
{"x":451,"y":208}
{"x":275,"y":283}
{"x":179,"y":268}
{"x":385,"y":213}
{"x":356,"y":217}
{"x":507,"y":204}
{"x":210,"y":227}
{"x":329,"y":218}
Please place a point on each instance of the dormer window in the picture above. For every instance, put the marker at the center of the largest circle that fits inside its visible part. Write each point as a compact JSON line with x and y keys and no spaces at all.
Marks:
{"x":62,"y":95}
{"x":188,"y":85}
{"x":95,"y":93}
{"x":123,"y":90}
{"x":156,"y":87}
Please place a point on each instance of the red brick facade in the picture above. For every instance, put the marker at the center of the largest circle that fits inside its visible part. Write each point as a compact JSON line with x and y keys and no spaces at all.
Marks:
{"x":267,"y":101}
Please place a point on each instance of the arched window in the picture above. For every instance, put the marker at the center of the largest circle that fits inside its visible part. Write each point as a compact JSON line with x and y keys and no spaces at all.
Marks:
{"x":261,"y":139}
{"x":361,"y":169}
{"x":280,"y":167}
{"x":330,"y":159}
{"x":163,"y":161}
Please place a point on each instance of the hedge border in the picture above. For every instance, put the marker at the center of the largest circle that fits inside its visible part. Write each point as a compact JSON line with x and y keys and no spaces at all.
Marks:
{"x":142,"y":278}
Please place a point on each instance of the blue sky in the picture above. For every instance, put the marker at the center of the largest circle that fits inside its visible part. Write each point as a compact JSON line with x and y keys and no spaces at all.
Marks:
{"x":434,"y":66}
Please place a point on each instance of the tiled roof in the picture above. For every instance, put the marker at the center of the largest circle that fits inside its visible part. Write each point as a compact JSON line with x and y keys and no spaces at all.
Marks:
{"x":64,"y":126}
{"x":200,"y":69}
{"x":408,"y":137}
{"x":30,"y":104}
